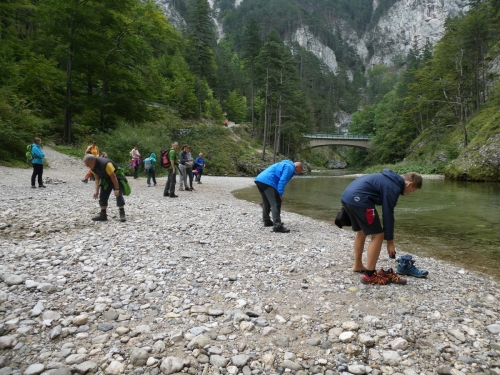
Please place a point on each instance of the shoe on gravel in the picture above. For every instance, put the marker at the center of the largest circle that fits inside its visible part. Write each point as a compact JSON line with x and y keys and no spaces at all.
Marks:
{"x":173,"y":196}
{"x":268,"y":223}
{"x":391,"y":276}
{"x":280,"y":228}
{"x":374,"y":279}
{"x":406,"y":266}
{"x":101,"y":217}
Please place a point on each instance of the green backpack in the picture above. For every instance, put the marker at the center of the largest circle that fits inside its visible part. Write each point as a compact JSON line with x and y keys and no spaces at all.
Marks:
{"x":29,"y":155}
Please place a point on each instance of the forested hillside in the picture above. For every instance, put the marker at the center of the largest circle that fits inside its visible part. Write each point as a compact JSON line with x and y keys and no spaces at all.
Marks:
{"x":80,"y":69}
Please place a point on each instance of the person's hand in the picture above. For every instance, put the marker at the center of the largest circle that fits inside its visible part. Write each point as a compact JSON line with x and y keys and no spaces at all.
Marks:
{"x":96,"y":195}
{"x":391,"y":249}
{"x":173,"y":171}
{"x":282,"y":198}
{"x":117,"y":192}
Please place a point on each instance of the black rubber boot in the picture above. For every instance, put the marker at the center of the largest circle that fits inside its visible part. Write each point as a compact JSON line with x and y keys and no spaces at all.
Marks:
{"x":101,"y":217}
{"x":268,"y":223}
{"x":280,"y":228}
{"x":122,"y":216}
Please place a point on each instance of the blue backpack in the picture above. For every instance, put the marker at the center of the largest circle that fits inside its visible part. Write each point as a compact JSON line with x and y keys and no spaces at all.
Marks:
{"x":147,"y":164}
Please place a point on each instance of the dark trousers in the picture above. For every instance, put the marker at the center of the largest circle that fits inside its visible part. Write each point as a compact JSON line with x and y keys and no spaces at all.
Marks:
{"x":189,"y":172}
{"x":37,"y":171}
{"x":105,"y":193}
{"x":136,"y":169}
{"x":271,"y":202}
{"x":170,"y":185}
{"x":200,"y":172}
{"x":151,"y":174}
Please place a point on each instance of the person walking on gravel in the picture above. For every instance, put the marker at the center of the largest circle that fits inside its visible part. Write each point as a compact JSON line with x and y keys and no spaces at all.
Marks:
{"x":169,"y":190}
{"x":94,"y":150}
{"x":359,"y":200}
{"x":37,"y":162}
{"x":271,"y":184}
{"x":106,"y":181}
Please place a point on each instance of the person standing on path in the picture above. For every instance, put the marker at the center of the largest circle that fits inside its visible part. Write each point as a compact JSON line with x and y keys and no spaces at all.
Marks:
{"x":182,"y":168}
{"x":151,"y":170}
{"x":200,"y":164}
{"x":271,"y":184}
{"x":136,"y":160}
{"x":106,"y":180}
{"x":169,"y":190}
{"x":37,"y":162}
{"x":94,"y":150}
{"x":189,"y":169}
{"x":359,"y":200}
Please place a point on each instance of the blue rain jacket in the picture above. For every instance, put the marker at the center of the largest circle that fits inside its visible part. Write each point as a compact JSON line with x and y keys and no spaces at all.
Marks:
{"x":277,"y":175}
{"x":38,"y":154}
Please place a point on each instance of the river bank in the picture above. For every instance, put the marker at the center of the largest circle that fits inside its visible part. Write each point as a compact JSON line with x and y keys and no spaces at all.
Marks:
{"x":197,"y":285}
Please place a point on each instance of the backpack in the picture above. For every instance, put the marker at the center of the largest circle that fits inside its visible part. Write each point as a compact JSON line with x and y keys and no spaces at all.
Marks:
{"x":29,"y":155}
{"x":147,"y":164}
{"x":164,"y":160}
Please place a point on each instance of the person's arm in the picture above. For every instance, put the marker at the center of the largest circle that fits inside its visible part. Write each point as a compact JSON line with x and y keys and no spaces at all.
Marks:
{"x":96,"y":184}
{"x":286,"y":175}
{"x":389,"y":201}
{"x":110,"y":170}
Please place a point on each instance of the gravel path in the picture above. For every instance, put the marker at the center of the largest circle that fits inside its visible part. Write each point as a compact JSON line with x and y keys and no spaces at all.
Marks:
{"x":196,"y":285}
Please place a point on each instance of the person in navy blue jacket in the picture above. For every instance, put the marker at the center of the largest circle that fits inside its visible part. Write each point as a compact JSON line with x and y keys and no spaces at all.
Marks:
{"x":359,"y":200}
{"x":271,"y":183}
{"x":37,"y":161}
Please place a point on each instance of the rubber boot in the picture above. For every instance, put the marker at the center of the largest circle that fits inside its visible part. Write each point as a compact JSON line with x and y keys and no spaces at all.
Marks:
{"x":101,"y":217}
{"x":122,"y":216}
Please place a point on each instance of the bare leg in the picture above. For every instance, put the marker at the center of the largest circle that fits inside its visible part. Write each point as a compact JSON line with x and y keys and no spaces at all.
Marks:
{"x":374,"y":250}
{"x":359,"y":245}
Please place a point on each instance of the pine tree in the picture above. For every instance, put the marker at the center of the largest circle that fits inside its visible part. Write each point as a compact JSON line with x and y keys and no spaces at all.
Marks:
{"x":251,"y":48}
{"x":201,"y":39}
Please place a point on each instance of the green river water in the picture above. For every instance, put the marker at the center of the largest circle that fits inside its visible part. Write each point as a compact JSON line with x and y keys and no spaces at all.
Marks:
{"x":450,"y":220}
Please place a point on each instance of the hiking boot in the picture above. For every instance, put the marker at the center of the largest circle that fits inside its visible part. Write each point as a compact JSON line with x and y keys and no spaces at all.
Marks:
{"x":173,"y":196}
{"x":33,"y":187}
{"x":122,"y":216}
{"x":42,"y":186}
{"x":85,"y":180}
{"x":191,"y":188}
{"x":406,"y":267}
{"x":280,"y":228}
{"x":374,"y":279}
{"x":101,"y":217}
{"x":268,"y":223}
{"x":391,"y":276}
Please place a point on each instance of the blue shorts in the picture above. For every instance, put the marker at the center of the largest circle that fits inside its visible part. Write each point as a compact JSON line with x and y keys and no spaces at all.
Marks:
{"x":365,"y":219}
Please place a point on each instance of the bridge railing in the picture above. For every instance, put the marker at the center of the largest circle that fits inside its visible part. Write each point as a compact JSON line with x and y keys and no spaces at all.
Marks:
{"x":337,"y":135}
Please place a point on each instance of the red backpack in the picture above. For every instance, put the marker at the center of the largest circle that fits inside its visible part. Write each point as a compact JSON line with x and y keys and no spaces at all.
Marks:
{"x":164,"y":160}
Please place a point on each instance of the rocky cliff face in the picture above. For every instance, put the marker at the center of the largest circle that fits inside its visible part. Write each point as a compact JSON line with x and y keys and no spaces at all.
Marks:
{"x":406,"y":23}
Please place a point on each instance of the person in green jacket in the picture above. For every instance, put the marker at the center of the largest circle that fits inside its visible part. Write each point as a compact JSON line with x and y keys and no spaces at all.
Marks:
{"x":169,"y":190}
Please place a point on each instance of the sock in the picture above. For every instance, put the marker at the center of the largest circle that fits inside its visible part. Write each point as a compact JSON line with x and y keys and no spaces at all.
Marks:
{"x":122,"y":210}
{"x":369,"y":273}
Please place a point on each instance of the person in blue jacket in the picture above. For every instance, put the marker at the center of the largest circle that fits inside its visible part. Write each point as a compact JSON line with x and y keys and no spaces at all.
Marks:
{"x":359,"y":200}
{"x":271,"y":183}
{"x":37,"y":161}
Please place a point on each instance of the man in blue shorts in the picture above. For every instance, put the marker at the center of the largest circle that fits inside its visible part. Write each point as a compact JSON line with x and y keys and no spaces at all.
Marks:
{"x":359,"y":200}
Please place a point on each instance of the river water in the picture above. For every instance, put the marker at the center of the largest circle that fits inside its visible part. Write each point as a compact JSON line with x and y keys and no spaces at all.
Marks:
{"x":456,"y":221}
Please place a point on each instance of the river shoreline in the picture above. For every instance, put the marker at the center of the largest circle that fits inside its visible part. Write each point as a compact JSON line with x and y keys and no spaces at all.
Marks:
{"x":196,"y":285}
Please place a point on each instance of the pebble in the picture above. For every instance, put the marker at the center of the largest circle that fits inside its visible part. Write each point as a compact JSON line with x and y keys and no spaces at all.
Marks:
{"x":212,"y":291}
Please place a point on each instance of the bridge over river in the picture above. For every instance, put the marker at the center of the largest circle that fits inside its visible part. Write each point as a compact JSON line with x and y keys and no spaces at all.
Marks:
{"x":338,"y":139}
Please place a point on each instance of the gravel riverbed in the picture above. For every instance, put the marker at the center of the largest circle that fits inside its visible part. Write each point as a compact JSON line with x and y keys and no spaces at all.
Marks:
{"x":196,"y":285}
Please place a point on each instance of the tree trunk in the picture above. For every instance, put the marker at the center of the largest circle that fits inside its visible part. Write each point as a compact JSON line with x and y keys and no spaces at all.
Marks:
{"x":67,"y":101}
{"x":264,"y":138}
